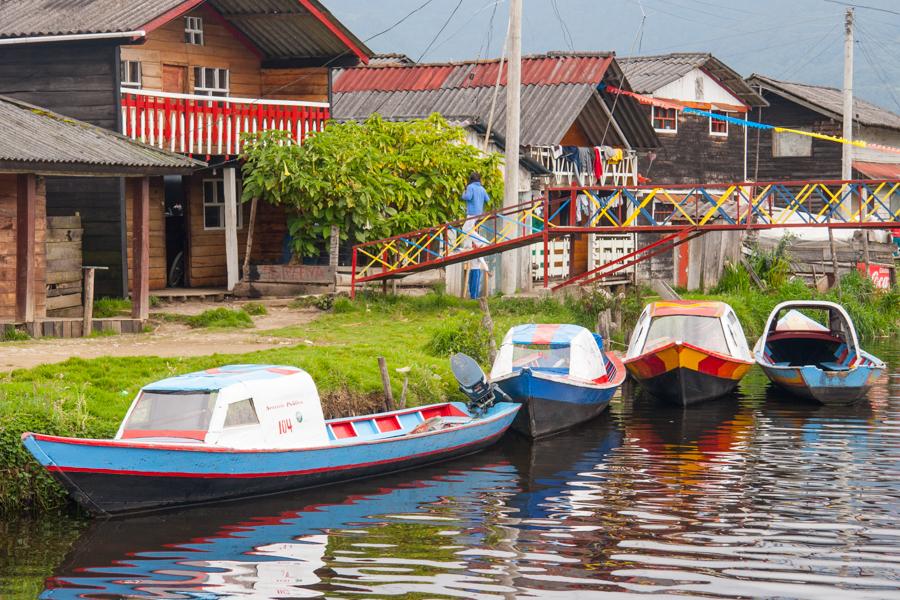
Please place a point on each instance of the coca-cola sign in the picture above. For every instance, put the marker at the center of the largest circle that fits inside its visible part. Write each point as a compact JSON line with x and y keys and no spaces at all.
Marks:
{"x":879,"y":274}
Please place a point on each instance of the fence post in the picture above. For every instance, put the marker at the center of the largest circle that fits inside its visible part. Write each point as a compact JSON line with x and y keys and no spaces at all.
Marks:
{"x":353,"y":275}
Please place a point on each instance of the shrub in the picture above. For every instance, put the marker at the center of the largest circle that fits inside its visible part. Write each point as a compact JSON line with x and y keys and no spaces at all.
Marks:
{"x":221,"y":317}
{"x":11,"y":334}
{"x":460,"y":334}
{"x":255,"y":309}
{"x":342,"y":305}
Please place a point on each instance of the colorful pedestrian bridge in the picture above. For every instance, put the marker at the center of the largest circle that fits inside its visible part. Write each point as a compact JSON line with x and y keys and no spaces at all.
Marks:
{"x":679,"y":212}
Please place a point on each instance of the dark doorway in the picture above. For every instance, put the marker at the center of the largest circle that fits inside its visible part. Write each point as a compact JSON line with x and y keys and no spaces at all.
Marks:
{"x":176,"y":232}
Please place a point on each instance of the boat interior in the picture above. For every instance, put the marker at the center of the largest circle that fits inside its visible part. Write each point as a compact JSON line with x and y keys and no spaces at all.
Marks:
{"x":393,"y":424}
{"x":822,"y":349}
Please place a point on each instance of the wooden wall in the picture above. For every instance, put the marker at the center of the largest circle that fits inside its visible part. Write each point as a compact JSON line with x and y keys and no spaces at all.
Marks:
{"x":8,"y":199}
{"x":222,"y":50}
{"x":79,"y":80}
{"x":206,"y":267}
{"x":64,"y":261}
{"x":825,"y":161}
{"x":158,"y":271}
{"x":692,"y":155}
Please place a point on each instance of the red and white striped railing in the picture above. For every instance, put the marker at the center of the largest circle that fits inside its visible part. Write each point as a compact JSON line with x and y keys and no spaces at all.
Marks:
{"x":210,"y":126}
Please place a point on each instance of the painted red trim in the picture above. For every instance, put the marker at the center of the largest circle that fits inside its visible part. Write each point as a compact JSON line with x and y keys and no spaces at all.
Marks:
{"x":724,"y":87}
{"x":724,"y":185}
{"x":170,"y":15}
{"x":197,"y":448}
{"x":243,"y":39}
{"x":385,"y":461}
{"x":131,"y":434}
{"x":658,"y":349}
{"x":363,"y":57}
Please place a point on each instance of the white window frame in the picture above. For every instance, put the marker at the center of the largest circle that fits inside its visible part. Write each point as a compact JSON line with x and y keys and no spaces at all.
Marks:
{"x":193,"y":31}
{"x":723,"y":134}
{"x":127,"y":71}
{"x":653,"y":120}
{"x":208,"y":81}
{"x":220,"y":204}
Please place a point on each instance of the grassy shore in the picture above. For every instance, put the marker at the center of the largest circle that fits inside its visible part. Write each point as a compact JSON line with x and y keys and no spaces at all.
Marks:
{"x":88,"y":398}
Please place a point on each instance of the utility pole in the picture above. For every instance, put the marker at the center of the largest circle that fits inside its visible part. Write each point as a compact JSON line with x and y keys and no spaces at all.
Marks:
{"x":509,"y":260}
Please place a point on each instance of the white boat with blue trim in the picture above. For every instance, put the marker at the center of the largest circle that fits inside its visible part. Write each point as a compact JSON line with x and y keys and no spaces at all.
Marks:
{"x":559,"y":373}
{"x":249,"y":430}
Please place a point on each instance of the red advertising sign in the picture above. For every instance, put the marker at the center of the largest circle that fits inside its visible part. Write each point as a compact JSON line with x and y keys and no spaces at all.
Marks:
{"x":880,"y":275}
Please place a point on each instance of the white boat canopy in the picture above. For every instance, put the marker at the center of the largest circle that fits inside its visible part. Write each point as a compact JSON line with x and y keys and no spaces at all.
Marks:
{"x":567,"y":350}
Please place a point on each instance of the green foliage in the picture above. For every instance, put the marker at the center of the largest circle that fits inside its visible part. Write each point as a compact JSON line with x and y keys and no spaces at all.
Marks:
{"x":342,"y":305}
{"x":106,"y":308}
{"x":372,"y":179}
{"x":222,"y":318}
{"x":255,"y":309}
{"x":11,"y":334}
{"x":462,"y":334}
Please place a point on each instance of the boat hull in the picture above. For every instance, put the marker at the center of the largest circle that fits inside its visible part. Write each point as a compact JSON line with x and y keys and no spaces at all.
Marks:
{"x":685,"y":374}
{"x":112,"y":477}
{"x":551,"y":404}
{"x":833,"y":388}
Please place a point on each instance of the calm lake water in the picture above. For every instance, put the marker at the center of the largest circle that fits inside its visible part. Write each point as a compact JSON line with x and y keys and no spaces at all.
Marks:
{"x":751,"y":496}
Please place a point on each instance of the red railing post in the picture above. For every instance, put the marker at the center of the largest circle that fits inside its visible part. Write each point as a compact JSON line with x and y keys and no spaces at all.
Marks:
{"x":572,"y":200}
{"x":546,"y":237}
{"x":353,"y":275}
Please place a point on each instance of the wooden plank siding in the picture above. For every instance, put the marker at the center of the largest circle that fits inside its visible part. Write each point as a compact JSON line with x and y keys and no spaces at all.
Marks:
{"x":158,"y":271}
{"x":8,"y":251}
{"x":207,"y":247}
{"x":825,"y":159}
{"x":692,"y":155}
{"x":221,"y":50}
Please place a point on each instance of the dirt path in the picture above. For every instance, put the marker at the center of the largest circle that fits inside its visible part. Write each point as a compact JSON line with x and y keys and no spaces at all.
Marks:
{"x":167,"y":340}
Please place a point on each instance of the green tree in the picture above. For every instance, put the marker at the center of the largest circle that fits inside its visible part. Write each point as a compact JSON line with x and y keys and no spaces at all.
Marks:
{"x":371,"y":180}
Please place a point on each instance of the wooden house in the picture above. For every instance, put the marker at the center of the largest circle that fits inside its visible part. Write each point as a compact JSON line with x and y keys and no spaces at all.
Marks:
{"x":694,"y":148}
{"x":819,"y":109}
{"x":187,"y":76}
{"x":36,"y":146}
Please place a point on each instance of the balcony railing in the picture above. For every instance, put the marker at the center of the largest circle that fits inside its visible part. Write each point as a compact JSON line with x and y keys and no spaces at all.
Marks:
{"x":209,"y":126}
{"x":565,"y":172}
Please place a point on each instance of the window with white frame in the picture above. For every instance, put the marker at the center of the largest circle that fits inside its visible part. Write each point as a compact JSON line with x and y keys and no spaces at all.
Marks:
{"x":664,"y":119}
{"x":214,"y":205}
{"x":209,"y":81}
{"x":718,"y":127}
{"x":193,"y":30}
{"x":130,"y":74}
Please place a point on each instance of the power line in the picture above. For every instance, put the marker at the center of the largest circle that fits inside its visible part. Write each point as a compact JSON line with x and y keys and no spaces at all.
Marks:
{"x":877,"y":69}
{"x":879,"y":9}
{"x":798,"y":66}
{"x":440,"y":31}
{"x":567,"y":35}
{"x":408,"y":15}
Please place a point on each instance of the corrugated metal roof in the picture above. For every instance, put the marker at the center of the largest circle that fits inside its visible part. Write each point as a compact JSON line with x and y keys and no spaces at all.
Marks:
{"x":279,"y":28}
{"x":556,"y":88}
{"x":33,"y":135}
{"x":649,"y":73}
{"x":828,"y":101}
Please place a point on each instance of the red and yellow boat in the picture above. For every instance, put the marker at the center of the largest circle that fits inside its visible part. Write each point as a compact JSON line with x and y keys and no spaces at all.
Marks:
{"x":688,"y":351}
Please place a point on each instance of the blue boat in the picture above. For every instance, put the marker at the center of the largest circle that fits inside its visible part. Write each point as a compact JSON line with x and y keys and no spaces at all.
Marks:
{"x":250,"y":430}
{"x":559,"y":373}
{"x":816,"y":361}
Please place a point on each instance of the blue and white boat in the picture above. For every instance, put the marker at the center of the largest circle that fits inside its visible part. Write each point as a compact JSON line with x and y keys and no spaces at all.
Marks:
{"x":816,"y":361}
{"x":559,"y":373}
{"x":249,"y":430}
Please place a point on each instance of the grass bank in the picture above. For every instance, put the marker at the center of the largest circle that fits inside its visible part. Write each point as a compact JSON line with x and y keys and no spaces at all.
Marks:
{"x":88,"y":398}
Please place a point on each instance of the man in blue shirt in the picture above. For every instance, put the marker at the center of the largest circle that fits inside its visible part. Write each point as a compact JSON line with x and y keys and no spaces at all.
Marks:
{"x":475,"y":198}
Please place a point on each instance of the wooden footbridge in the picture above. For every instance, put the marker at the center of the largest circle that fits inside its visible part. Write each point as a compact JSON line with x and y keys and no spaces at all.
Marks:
{"x":679,"y":212}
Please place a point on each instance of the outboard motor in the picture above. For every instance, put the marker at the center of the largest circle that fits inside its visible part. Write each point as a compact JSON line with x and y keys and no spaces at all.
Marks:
{"x":474,"y":383}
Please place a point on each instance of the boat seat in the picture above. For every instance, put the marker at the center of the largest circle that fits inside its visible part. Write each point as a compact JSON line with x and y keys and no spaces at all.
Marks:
{"x":834,"y":366}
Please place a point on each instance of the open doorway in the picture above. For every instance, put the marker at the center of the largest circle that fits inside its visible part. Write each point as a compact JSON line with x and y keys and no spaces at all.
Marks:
{"x":176,"y":233}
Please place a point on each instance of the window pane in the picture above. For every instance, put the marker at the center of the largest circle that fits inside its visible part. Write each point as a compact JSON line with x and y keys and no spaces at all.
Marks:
{"x":241,"y":413}
{"x":156,"y":411}
{"x":703,"y":332}
{"x":541,"y":356}
{"x":209,"y":192}
{"x":213,"y":217}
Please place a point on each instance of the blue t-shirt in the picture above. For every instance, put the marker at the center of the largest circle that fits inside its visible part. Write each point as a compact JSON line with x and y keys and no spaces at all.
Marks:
{"x":475,"y":198}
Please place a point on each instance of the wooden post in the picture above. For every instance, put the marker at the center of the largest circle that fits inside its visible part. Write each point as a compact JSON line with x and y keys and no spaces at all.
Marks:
{"x":231,"y":242}
{"x":245,"y":270}
{"x":87,"y":323}
{"x":405,"y":372}
{"x":386,"y":383}
{"x":140,"y":251}
{"x":26,"y":200}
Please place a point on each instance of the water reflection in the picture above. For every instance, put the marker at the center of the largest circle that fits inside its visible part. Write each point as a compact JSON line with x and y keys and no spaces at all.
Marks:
{"x":754,"y":496}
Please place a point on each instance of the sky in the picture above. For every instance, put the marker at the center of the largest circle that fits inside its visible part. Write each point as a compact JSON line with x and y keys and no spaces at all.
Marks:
{"x":793,"y":40}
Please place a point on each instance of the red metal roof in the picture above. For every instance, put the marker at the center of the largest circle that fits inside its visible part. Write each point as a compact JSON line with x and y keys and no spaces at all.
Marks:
{"x":546,"y":69}
{"x":878,"y":170}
